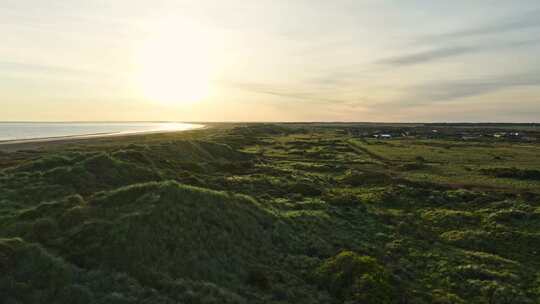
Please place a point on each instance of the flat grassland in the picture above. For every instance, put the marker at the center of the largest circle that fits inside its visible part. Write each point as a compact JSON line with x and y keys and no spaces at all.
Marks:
{"x":271,"y":213}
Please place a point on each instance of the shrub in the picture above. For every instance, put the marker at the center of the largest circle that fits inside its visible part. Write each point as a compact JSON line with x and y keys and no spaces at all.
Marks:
{"x":526,"y":174}
{"x":353,"y":277}
{"x":99,"y":172}
{"x":175,"y":230}
{"x":443,"y":297}
{"x":258,"y":278}
{"x":356,"y":178}
{"x":74,"y":216}
{"x":413,"y":166}
{"x":44,"y":163}
{"x":33,"y":275}
{"x":343,"y":200}
{"x":446,"y":218}
{"x":76,"y":294}
{"x":44,"y":229}
{"x":305,"y":189}
{"x":509,"y":215}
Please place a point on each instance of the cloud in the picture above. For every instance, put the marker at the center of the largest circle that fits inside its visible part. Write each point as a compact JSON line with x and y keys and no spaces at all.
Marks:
{"x":522,"y":22}
{"x":285,"y":92}
{"x":454,"y":90}
{"x":28,"y":67}
{"x":452,"y":51}
{"x":47,"y":75}
{"x":450,"y":46}
{"x":427,"y":56}
{"x":412,"y":96}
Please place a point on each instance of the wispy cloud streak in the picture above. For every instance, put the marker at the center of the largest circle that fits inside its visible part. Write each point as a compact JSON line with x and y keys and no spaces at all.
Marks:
{"x":28,"y":67}
{"x":455,"y":90}
{"x":427,"y":56}
{"x":301,"y":92}
{"x":453,"y":51}
{"x":522,"y":22}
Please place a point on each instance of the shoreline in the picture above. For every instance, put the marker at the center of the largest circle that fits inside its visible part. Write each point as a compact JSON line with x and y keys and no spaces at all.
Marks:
{"x":15,"y":144}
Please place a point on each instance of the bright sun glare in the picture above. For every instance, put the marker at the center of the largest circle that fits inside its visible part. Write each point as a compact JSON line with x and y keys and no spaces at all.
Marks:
{"x":174,"y":64}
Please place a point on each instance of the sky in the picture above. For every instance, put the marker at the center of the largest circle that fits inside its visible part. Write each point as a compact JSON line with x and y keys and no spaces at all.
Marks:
{"x":270,"y":60}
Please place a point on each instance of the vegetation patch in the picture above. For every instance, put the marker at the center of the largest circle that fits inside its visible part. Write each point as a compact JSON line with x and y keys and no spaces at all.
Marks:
{"x":513,"y":172}
{"x":353,"y":277}
{"x":272,"y":213}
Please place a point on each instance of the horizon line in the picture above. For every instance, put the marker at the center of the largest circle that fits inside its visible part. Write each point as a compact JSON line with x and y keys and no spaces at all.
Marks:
{"x":276,"y":121}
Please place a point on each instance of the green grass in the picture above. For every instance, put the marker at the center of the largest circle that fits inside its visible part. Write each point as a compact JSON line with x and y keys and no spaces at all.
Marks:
{"x":457,"y":163}
{"x":261,"y":213}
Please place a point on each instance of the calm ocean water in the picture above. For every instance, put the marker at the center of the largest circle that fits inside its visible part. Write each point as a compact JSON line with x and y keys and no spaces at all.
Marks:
{"x":35,"y":130}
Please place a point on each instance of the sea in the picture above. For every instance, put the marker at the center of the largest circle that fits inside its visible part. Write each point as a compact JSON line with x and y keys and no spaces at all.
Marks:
{"x":15,"y":131}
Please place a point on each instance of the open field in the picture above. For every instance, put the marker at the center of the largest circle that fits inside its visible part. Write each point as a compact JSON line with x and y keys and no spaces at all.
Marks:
{"x":273,"y":213}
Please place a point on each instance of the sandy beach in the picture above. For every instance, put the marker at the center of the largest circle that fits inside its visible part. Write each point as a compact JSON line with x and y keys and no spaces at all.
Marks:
{"x":48,"y":142}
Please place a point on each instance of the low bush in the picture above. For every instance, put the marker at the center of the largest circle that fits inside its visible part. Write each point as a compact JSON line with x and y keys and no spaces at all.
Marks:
{"x":450,"y":219}
{"x":525,"y":174}
{"x":365,"y":178}
{"x":353,"y":277}
{"x":413,"y":166}
{"x":346,"y":199}
{"x":44,"y":229}
{"x":305,"y":189}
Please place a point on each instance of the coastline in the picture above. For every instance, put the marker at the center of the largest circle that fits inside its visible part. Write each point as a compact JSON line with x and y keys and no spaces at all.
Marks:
{"x":32,"y":143}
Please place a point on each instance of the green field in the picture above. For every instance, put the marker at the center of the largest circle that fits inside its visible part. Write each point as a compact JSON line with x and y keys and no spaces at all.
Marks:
{"x":270,"y":213}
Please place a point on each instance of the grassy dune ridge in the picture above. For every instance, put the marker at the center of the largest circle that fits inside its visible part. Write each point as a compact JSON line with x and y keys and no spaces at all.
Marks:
{"x":270,"y":213}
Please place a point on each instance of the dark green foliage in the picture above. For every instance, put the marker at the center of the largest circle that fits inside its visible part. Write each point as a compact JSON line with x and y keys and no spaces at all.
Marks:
{"x":352,"y":277}
{"x":44,"y":229}
{"x":44,"y":164}
{"x":413,"y":166}
{"x":99,"y":172}
{"x":366,"y":178}
{"x":265,"y":213}
{"x":305,"y":189}
{"x":513,"y":173}
{"x":188,"y":236}
{"x":30,"y":274}
{"x":343,"y":199}
{"x":258,"y":278}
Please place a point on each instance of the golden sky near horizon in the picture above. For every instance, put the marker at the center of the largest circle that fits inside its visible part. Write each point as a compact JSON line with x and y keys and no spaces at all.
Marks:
{"x":304,"y":60}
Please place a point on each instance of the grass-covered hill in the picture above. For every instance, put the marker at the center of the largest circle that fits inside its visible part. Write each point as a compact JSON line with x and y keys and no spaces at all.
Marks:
{"x":269,"y":214}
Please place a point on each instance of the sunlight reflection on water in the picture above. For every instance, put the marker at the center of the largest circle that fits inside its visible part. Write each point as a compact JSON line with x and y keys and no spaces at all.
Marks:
{"x":33,"y":130}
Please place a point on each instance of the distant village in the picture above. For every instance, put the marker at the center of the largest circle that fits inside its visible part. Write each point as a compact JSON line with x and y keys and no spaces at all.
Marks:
{"x":446,"y":133}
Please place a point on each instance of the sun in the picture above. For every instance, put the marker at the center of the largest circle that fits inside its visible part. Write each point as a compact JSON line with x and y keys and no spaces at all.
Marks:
{"x":174,"y":64}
